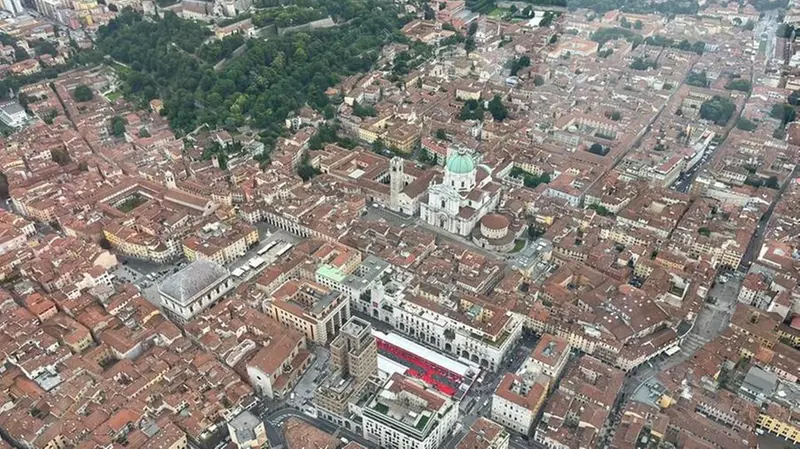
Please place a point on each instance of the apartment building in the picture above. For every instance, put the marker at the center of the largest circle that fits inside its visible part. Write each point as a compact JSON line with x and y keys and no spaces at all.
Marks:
{"x":484,"y":434}
{"x":781,"y":421}
{"x":549,"y":356}
{"x":518,"y":399}
{"x":405,"y":414}
{"x":220,"y":242}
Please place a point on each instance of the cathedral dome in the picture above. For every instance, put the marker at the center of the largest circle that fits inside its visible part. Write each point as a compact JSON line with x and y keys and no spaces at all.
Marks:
{"x":460,"y":164}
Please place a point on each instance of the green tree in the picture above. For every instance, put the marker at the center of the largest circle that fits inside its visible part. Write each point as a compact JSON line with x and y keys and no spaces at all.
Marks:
{"x":772,"y":183}
{"x":44,"y":47}
{"x":363,"y":111}
{"x":143,"y":132}
{"x":82,"y":93}
{"x":598,"y":149}
{"x":497,"y":108}
{"x":745,"y":124}
{"x":471,"y":110}
{"x":20,"y":54}
{"x":794,"y":98}
{"x":441,"y":134}
{"x":738,"y":84}
{"x":118,"y":126}
{"x":472,"y":29}
{"x":378,"y":146}
{"x":469,"y":45}
{"x":697,"y":79}
{"x":170,"y":59}
{"x":718,"y":110}
{"x":637,"y":25}
{"x":305,"y":170}
{"x":783,"y":112}
{"x":601,"y":210}
{"x":643,"y":64}
{"x":538,"y":80}
{"x":605,"y":53}
{"x":428,"y":12}
{"x":60,"y":157}
{"x":519,"y":63}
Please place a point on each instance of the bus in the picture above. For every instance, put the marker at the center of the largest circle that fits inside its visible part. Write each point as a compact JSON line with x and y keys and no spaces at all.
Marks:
{"x":269,"y":246}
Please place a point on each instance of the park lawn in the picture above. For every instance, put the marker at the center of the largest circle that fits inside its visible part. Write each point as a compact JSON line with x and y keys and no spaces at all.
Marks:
{"x":498,"y":13}
{"x":113,"y":96}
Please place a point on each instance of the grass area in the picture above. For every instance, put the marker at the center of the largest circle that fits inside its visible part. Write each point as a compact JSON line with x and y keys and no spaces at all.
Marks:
{"x":131,"y":203}
{"x":113,"y":96}
{"x":497,"y":13}
{"x":518,"y":245}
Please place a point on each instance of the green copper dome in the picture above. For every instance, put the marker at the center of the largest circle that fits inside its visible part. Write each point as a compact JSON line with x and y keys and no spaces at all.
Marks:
{"x":460,"y":164}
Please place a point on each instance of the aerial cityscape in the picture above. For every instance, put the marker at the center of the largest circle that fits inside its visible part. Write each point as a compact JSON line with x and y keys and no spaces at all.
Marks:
{"x":399,"y":224}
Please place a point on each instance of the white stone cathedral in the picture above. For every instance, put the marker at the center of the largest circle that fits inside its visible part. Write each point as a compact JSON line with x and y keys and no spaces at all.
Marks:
{"x":466,"y":194}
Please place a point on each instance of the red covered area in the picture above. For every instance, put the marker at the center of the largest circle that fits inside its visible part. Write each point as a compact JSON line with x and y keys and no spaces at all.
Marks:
{"x":420,"y":368}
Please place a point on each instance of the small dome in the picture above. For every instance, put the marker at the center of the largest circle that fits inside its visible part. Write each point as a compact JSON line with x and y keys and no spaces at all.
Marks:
{"x":460,"y":164}
{"x":494,"y":221}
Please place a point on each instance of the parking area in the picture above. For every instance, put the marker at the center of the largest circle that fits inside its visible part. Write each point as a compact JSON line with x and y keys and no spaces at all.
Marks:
{"x":144,"y":274}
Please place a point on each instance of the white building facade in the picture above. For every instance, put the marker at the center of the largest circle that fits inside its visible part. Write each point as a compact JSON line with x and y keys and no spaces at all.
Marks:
{"x":465,"y":195}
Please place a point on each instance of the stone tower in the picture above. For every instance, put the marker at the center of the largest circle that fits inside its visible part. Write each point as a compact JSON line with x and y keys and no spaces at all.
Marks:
{"x":397,"y":182}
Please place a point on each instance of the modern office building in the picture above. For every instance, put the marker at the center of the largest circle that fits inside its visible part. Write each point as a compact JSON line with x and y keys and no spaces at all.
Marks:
{"x":354,"y":359}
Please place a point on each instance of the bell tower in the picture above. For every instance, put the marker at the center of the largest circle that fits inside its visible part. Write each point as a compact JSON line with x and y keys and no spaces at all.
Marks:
{"x":397,"y":182}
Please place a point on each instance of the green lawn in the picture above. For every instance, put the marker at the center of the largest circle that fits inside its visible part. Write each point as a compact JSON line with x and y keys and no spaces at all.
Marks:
{"x":497,"y":13}
{"x":131,"y":203}
{"x":113,"y":96}
{"x":518,"y":245}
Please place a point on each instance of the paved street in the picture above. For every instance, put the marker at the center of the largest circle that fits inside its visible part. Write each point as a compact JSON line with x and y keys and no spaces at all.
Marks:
{"x":274,"y":420}
{"x":303,"y":393}
{"x":712,"y":320}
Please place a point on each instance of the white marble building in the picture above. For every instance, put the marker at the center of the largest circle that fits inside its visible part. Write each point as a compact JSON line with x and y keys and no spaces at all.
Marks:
{"x":466,"y":194}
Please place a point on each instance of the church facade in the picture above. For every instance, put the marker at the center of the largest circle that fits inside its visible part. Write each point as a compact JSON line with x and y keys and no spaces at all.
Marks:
{"x":464,"y":196}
